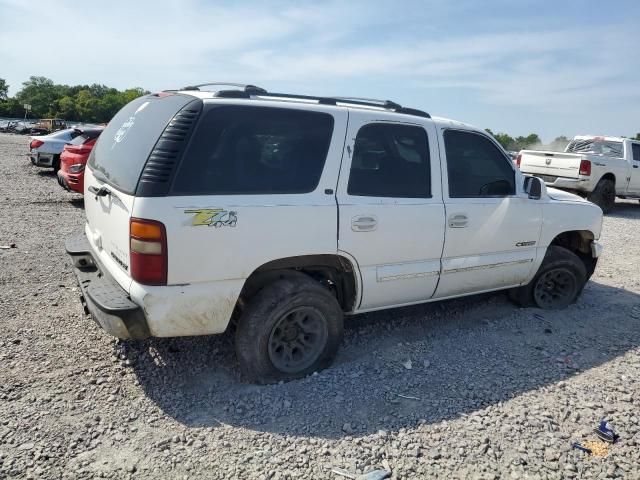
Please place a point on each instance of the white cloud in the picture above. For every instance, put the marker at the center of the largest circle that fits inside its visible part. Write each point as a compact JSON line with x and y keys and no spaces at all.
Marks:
{"x":355,"y":48}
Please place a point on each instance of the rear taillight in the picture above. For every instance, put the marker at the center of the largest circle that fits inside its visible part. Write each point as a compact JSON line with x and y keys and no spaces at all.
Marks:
{"x":148,"y":247}
{"x":35,"y":144}
{"x":585,"y":167}
{"x":79,"y":149}
{"x":518,"y":160}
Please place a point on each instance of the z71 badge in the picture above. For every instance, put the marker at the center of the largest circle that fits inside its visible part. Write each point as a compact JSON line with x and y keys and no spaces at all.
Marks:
{"x":213,"y":217}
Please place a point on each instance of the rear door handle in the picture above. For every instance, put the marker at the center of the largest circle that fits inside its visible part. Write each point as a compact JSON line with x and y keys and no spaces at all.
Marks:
{"x":364,"y":223}
{"x":458,"y":220}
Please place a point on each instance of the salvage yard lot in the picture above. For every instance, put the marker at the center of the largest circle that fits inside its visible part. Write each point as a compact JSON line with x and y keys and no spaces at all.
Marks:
{"x":471,"y":388}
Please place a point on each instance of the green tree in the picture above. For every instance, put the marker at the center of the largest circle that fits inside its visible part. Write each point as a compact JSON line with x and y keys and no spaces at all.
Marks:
{"x":40,"y":93}
{"x":66,"y":108}
{"x":505,"y":140}
{"x":4,"y":90}
{"x":637,"y":136}
{"x":86,"y":106}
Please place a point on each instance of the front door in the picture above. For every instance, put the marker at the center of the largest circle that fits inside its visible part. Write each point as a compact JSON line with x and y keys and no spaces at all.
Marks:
{"x":493,"y":228}
{"x":391,"y":215}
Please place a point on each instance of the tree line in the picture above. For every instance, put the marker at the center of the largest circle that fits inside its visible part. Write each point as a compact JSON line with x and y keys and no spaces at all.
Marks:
{"x":530,"y":141}
{"x":84,"y":103}
{"x":99,"y":103}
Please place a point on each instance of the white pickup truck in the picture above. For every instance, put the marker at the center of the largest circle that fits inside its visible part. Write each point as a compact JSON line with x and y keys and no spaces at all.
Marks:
{"x":599,"y":168}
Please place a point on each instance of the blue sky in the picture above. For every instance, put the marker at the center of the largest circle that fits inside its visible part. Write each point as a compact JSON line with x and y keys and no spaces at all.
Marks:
{"x":563,"y":67}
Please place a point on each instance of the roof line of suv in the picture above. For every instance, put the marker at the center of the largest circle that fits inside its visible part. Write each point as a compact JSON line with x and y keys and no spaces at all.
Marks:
{"x":253,"y":92}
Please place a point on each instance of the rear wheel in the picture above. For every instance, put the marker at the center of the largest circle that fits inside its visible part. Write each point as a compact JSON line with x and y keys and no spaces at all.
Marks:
{"x":559,"y":281}
{"x":604,"y":195}
{"x":290,"y":329}
{"x":55,"y":163}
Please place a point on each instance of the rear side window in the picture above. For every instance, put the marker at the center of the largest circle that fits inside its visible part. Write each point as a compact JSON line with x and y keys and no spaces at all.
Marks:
{"x":390,"y":160}
{"x":636,"y":151}
{"x":255,"y":150}
{"x":597,"y":146}
{"x":125,"y":144}
{"x":476,"y":167}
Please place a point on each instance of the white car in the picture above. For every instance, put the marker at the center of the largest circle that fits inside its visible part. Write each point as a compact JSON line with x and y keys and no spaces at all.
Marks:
{"x":599,"y":168}
{"x":45,"y":150}
{"x":284,"y":213}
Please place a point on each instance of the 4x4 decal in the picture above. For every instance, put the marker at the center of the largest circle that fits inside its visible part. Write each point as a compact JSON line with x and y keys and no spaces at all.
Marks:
{"x":213,"y":217}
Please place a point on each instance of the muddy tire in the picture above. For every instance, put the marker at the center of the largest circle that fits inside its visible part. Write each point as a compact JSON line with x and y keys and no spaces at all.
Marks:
{"x":558,"y":283}
{"x":604,"y":195}
{"x":289,"y":330}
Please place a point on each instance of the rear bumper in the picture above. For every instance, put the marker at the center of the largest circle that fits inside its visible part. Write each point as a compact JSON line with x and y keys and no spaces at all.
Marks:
{"x":109,"y":305}
{"x":596,"y":249}
{"x":564,"y":183}
{"x":71,"y":182}
{"x":41,"y":159}
{"x":577,"y":184}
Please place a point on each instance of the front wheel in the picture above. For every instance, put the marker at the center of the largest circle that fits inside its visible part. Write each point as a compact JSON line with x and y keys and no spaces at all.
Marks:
{"x":604,"y":195}
{"x":560,"y":279}
{"x":290,"y":329}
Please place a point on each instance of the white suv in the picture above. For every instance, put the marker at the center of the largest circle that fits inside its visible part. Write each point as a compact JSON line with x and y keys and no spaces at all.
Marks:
{"x":282,"y":213}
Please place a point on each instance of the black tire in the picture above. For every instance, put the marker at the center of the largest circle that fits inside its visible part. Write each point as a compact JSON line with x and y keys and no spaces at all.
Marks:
{"x":55,"y":163}
{"x":604,"y":195}
{"x":557,"y":284}
{"x":276,"y":323}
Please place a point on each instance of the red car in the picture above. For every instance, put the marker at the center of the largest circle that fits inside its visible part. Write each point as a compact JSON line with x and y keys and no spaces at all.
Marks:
{"x":74,"y":158}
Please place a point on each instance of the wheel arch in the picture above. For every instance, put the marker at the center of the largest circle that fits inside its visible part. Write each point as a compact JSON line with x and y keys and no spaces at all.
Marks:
{"x":578,"y":242}
{"x":608,"y":176}
{"x":335,"y":272}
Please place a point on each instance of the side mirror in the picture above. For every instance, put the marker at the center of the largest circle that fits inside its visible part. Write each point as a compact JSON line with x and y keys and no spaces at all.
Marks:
{"x":533,"y":187}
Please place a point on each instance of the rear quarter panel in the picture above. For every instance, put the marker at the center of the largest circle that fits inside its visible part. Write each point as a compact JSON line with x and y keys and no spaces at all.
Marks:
{"x":216,"y":242}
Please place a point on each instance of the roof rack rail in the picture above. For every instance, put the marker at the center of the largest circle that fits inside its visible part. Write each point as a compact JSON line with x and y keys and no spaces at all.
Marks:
{"x":249,"y":91}
{"x":246,"y":88}
{"x":364,"y":102}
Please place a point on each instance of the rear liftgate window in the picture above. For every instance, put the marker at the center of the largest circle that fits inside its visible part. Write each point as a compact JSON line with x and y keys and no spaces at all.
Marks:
{"x":255,"y":150}
{"x":125,"y":145}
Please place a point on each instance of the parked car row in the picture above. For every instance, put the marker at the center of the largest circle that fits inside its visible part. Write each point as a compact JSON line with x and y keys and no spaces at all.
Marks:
{"x":66,"y":151}
{"x":33,"y":127}
{"x":595,"y":167}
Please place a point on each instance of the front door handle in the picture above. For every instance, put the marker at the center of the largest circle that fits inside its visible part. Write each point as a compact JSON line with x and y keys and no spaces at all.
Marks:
{"x":364,"y":223}
{"x":458,"y":220}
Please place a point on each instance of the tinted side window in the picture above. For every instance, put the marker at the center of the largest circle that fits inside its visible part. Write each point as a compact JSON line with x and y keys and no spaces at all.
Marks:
{"x":476,"y":167}
{"x":254,"y":150}
{"x":636,"y":151}
{"x":390,"y":161}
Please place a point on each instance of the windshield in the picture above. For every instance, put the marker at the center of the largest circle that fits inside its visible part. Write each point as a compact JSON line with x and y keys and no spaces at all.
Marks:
{"x":596,"y":146}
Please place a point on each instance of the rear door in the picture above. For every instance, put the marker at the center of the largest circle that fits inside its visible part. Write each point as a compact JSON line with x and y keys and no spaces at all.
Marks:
{"x":634,"y":175}
{"x":391,"y":215}
{"x":493,"y":228}
{"x":113,"y":172}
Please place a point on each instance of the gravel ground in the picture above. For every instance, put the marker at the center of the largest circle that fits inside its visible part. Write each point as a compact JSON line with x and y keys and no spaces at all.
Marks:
{"x":471,"y":388}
